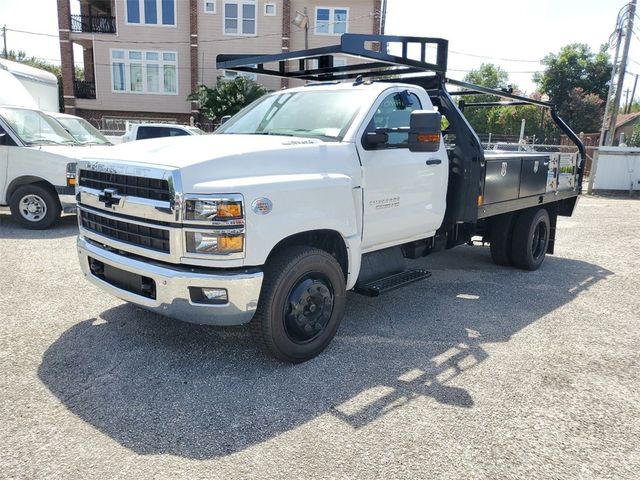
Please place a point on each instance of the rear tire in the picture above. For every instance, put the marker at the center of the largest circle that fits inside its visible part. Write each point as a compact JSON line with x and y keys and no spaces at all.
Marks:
{"x":530,"y":239}
{"x":301,"y":303}
{"x":35,"y":206}
{"x":500,"y":236}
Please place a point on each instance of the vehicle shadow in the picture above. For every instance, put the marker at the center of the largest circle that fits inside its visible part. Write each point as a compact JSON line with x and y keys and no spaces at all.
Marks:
{"x":158,"y":386}
{"x":66,"y":226}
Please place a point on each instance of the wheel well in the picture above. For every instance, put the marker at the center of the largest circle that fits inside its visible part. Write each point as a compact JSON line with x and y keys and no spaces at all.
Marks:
{"x":328,"y":240}
{"x":27,"y":180}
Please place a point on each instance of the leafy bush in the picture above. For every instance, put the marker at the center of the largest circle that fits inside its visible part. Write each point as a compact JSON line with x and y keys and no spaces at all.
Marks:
{"x":228,"y":97}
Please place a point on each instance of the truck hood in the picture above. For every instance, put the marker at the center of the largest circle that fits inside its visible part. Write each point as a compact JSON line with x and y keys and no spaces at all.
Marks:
{"x":231,"y":163}
{"x":180,"y":152}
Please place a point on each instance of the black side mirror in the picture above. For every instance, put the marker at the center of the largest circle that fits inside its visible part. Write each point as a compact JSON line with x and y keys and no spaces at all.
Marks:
{"x":424,"y":131}
{"x":373,"y":139}
{"x":3,"y":138}
{"x":224,"y":119}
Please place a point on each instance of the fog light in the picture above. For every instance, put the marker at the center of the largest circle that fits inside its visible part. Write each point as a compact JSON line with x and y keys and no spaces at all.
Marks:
{"x":210,"y":296}
{"x":215,"y":294}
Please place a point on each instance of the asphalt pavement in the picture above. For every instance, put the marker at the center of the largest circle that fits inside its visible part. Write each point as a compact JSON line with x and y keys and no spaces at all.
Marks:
{"x":478,"y":372}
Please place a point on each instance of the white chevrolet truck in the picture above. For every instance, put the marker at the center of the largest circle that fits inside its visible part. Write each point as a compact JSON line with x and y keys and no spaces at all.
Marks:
{"x":313,"y":191}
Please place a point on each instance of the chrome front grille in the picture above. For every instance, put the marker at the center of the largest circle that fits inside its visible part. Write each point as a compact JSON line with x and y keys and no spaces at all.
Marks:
{"x":130,"y":185}
{"x":145,"y":236}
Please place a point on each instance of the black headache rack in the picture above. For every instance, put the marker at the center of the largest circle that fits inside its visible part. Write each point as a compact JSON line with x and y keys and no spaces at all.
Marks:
{"x":426,"y":59}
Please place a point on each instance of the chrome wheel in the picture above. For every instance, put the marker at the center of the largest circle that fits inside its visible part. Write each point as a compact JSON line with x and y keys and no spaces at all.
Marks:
{"x":32,"y":207}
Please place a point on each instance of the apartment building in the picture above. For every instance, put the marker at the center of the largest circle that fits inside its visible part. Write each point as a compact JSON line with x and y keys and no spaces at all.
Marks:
{"x":142,"y":58}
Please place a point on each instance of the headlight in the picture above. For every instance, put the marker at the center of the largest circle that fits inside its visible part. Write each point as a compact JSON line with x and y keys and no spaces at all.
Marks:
{"x":214,"y":210}
{"x":224,"y":215}
{"x":214,"y":243}
{"x":71,"y":174}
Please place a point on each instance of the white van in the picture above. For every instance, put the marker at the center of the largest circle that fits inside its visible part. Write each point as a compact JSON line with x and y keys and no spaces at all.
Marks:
{"x":37,"y":158}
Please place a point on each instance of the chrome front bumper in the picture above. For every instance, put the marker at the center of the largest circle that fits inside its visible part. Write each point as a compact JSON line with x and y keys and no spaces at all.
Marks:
{"x":172,"y":284}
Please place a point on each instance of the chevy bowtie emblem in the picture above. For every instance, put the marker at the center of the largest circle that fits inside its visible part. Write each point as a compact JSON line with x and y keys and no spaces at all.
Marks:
{"x":109,"y":197}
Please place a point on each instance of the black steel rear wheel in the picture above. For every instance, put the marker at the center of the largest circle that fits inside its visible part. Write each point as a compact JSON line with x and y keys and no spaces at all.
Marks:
{"x":531,"y":239}
{"x":301,"y":303}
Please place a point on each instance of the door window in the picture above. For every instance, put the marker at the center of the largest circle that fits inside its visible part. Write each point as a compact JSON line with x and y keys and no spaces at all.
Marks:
{"x":393,"y":113}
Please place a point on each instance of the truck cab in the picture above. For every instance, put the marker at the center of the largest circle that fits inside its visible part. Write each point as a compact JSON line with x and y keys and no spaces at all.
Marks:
{"x":310,"y":192}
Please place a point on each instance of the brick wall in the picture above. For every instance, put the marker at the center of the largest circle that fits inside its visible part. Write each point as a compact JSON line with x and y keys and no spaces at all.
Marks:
{"x":66,"y":55}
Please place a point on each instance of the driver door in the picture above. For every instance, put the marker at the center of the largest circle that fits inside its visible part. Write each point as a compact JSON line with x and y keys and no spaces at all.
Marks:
{"x":404,"y":191}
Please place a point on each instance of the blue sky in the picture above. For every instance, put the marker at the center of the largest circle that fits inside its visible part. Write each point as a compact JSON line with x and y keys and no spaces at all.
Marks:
{"x":523,"y":29}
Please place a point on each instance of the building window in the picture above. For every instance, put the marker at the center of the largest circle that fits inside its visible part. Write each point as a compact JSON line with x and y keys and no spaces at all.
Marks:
{"x":137,"y":71}
{"x":270,"y":9}
{"x":151,"y":12}
{"x":240,"y":17}
{"x":331,"y":21}
{"x":209,"y":6}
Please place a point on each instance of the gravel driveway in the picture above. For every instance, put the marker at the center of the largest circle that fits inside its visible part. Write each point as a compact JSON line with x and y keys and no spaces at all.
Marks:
{"x":478,"y":372}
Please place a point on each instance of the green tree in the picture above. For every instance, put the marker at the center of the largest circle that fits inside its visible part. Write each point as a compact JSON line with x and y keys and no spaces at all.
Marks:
{"x":583,"y":111}
{"x":228,"y":97}
{"x":634,"y":141}
{"x":571,"y":79}
{"x":506,"y":120}
{"x":490,"y":76}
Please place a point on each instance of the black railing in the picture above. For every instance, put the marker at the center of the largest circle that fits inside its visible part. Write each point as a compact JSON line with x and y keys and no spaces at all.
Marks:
{"x":84,"y":89}
{"x":93,"y":24}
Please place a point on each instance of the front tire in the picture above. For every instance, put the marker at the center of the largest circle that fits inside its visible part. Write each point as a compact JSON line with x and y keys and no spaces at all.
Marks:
{"x":301,"y":303}
{"x":35,"y":206}
{"x":531,"y":235}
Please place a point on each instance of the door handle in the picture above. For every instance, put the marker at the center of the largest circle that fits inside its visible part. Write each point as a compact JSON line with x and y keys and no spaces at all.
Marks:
{"x":434,"y":161}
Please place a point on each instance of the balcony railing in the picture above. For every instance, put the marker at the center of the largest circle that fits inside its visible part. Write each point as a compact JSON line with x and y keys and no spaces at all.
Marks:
{"x":84,"y":89}
{"x":93,"y":24}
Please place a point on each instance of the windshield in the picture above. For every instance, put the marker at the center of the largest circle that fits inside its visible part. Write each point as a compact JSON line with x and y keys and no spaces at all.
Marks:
{"x":321,"y":113}
{"x":82,"y":131}
{"x":36,"y":128}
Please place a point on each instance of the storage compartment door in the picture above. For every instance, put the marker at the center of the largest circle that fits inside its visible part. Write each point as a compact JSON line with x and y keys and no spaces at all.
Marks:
{"x":502,"y":180}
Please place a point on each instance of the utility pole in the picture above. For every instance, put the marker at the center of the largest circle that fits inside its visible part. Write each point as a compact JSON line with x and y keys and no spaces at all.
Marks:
{"x":633,"y":94}
{"x":626,"y":101}
{"x":621,"y":75}
{"x":5,"y":52}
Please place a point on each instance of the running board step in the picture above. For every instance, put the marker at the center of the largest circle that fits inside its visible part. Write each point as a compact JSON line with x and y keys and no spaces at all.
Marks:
{"x":386,"y":284}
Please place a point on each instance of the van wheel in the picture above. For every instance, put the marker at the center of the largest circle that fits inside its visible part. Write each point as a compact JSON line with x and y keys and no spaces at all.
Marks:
{"x":500,"y":237}
{"x":35,"y":206}
{"x":301,"y":303}
{"x":530,"y":239}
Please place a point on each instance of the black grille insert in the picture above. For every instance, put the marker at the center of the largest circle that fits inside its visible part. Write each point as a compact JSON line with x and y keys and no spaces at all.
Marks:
{"x":151,"y":188}
{"x":139,"y":235}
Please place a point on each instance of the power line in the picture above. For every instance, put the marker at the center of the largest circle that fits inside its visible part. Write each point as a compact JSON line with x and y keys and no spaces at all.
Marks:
{"x":235,"y":39}
{"x":32,"y":33}
{"x":493,"y":58}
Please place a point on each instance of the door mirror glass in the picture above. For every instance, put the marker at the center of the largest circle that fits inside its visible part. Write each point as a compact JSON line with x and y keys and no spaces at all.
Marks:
{"x":424,"y":131}
{"x":374,"y":139}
